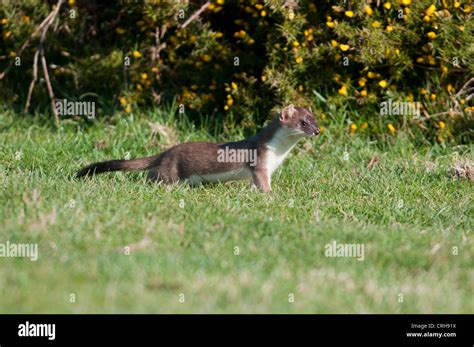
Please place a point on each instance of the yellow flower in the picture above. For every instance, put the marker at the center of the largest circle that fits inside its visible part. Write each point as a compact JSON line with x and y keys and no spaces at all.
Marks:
{"x":263,"y":78}
{"x":7,"y":34}
{"x":123,"y":100}
{"x":72,"y":2}
{"x":353,"y":128}
{"x":139,"y":87}
{"x":371,"y":74}
{"x":211,"y":7}
{"x":299,"y":60}
{"x":258,"y":6}
{"x":430,"y":10}
{"x":330,"y":24}
{"x":441,"y":124}
{"x":26,"y":19}
{"x":368,"y":10}
{"x":334,"y":43}
{"x":433,"y":97}
{"x":220,"y":2}
{"x":4,"y":21}
{"x":457,"y":4}
{"x":300,"y":88}
{"x":144,"y":76}
{"x":383,"y":83}
{"x":364,"y":125}
{"x":342,"y":90}
{"x":344,"y":47}
{"x":137,"y":54}
{"x":431,"y":35}
{"x":362,"y":82}
{"x":263,"y":13}
{"x":391,"y":128}
{"x":120,"y":31}
{"x":240,"y":34}
{"x":376,"y":24}
{"x":128,"y":108}
{"x":426,"y":18}
{"x":226,"y":108}
{"x":387,"y":5}
{"x":349,"y":14}
{"x":389,"y":28}
{"x":450,"y":88}
{"x":234,"y":85}
{"x":296,"y":43}
{"x":406,"y":2}
{"x":154,"y":69}
{"x":230,"y":101}
{"x":207,"y":58}
{"x":363,"y":93}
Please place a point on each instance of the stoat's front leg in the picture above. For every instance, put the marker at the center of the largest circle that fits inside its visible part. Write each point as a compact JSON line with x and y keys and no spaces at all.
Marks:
{"x":261,"y":179}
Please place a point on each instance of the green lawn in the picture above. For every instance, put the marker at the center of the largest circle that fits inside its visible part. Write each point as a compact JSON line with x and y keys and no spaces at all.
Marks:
{"x":408,"y":211}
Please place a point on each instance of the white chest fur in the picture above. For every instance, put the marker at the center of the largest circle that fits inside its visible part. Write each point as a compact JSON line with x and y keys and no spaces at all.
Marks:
{"x":279,"y":147}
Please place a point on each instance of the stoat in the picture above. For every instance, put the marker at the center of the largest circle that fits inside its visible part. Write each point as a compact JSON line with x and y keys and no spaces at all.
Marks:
{"x":255,"y":158}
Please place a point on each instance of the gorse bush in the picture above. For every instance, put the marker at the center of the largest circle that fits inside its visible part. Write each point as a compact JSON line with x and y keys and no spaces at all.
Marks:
{"x":239,"y":60}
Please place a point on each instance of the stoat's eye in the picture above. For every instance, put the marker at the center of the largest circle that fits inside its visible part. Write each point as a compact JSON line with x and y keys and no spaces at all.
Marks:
{"x":303,"y":123}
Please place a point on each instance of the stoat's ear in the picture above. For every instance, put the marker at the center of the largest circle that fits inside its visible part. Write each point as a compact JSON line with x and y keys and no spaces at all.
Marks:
{"x":287,"y":113}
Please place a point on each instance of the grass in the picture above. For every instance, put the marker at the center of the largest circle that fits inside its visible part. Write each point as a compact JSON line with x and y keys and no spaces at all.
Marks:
{"x":408,"y":211}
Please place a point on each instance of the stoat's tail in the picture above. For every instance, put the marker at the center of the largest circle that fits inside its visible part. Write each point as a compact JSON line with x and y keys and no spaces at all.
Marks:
{"x":118,"y":165}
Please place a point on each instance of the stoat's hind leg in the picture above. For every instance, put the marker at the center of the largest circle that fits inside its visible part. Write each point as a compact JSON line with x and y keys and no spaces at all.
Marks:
{"x":157,"y":175}
{"x":153,"y":175}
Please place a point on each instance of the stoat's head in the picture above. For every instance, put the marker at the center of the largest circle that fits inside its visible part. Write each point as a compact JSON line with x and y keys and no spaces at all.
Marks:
{"x":300,"y":120}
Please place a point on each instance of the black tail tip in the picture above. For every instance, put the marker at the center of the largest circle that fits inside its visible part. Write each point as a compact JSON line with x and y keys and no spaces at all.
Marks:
{"x":85,"y":172}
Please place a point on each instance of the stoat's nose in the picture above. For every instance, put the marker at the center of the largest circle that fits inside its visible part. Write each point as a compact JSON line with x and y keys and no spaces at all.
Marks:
{"x":316,"y":131}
